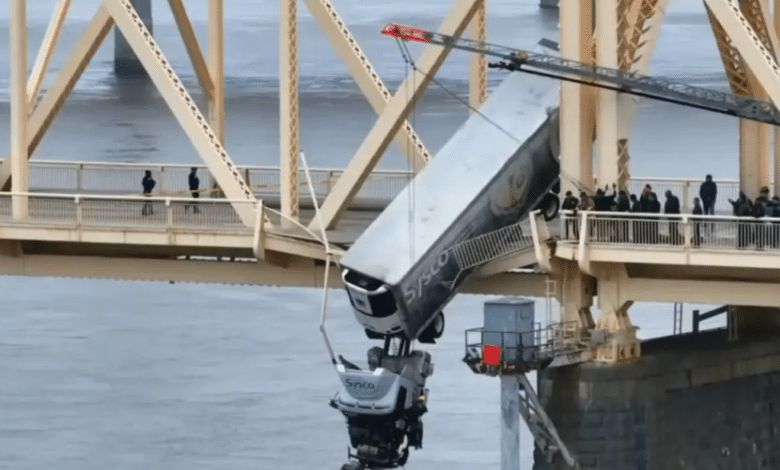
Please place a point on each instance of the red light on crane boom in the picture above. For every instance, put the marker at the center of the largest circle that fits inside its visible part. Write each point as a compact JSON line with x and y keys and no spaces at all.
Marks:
{"x":407,"y":33}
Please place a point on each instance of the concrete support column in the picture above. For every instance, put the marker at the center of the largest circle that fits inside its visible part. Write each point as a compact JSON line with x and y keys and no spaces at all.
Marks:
{"x":607,"y":119}
{"x":621,"y":341}
{"x":755,"y":322}
{"x":576,"y":295}
{"x":510,"y":422}
{"x":126,"y":64}
{"x":576,"y":130}
{"x":19,"y":108}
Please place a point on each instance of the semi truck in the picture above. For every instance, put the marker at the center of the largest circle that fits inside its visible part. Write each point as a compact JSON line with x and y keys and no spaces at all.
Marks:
{"x":499,"y":165}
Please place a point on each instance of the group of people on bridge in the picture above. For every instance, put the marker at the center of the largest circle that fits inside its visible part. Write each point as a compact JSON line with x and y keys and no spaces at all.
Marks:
{"x":646,"y":230}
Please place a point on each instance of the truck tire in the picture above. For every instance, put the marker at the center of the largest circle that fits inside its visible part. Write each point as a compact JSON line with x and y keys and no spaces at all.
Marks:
{"x":549,"y":206}
{"x":433,"y":331}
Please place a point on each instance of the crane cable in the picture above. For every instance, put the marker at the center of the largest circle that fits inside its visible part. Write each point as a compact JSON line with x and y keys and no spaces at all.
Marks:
{"x":410,"y":166}
{"x":408,"y":59}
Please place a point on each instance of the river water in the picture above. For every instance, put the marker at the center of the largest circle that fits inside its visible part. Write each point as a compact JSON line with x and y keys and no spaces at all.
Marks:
{"x":133,"y":375}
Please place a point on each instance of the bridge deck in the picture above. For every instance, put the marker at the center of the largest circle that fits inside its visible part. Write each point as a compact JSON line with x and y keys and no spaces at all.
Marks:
{"x":76,"y":220}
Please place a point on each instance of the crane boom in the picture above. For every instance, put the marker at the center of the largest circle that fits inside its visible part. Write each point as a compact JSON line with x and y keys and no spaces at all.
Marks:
{"x":602,"y":77}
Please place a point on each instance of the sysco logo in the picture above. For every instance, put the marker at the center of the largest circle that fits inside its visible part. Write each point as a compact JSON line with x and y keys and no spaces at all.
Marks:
{"x":355,"y":384}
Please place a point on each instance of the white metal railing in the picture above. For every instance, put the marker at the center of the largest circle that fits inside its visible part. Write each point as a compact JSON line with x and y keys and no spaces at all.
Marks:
{"x":484,"y":248}
{"x":684,"y":231}
{"x":126,"y":212}
{"x":53,"y":176}
{"x":686,"y":190}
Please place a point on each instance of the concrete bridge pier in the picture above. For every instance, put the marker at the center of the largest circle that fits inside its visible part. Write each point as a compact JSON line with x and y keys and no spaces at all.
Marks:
{"x":126,"y":64}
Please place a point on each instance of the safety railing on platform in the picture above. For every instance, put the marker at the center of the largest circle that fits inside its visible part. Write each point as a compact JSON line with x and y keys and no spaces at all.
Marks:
{"x":683,"y":231}
{"x":521,"y":351}
{"x":53,"y":176}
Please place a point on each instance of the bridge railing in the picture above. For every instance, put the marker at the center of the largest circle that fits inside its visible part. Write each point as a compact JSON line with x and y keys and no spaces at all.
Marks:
{"x":682,"y":231}
{"x":53,"y":176}
{"x":123,"y":212}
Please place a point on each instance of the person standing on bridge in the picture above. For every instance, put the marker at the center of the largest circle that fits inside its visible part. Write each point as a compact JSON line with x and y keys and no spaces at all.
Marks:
{"x":194,"y":183}
{"x":708,"y":192}
{"x":148,"y":184}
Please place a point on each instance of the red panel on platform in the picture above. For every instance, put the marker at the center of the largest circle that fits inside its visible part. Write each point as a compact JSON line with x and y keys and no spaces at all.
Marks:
{"x":491,"y":355}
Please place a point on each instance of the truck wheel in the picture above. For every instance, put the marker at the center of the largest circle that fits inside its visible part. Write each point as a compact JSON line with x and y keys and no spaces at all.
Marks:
{"x":549,"y":206}
{"x":433,"y":331}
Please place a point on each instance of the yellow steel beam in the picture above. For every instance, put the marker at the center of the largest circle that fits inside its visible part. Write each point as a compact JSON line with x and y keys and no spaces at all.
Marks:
{"x":289,"y":130}
{"x":639,"y":51}
{"x":607,"y":119}
{"x":577,"y":101}
{"x":478,"y":77}
{"x":206,"y":142}
{"x":736,"y":69}
{"x":300,"y":272}
{"x":392,"y":117}
{"x":366,"y":78}
{"x":19,"y":151}
{"x":217,"y":68}
{"x":193,"y":47}
{"x":44,"y":114}
{"x":760,"y":60}
{"x":777,"y":129}
{"x":46,"y":51}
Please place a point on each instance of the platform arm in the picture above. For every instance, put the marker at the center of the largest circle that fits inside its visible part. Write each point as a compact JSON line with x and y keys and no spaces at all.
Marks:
{"x":195,"y":125}
{"x":391,"y":119}
{"x":366,"y":77}
{"x":46,"y":111}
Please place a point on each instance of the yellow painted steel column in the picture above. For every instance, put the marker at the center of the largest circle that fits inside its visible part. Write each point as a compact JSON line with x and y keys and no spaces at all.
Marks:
{"x":19,"y":108}
{"x":606,"y":123}
{"x":49,"y":43}
{"x":748,"y":158}
{"x":777,"y":129}
{"x":576,"y":132}
{"x":288,"y":109}
{"x":217,"y":67}
{"x":479,"y":70}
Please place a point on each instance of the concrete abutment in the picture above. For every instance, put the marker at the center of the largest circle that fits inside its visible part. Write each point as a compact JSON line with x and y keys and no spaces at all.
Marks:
{"x":690,"y":402}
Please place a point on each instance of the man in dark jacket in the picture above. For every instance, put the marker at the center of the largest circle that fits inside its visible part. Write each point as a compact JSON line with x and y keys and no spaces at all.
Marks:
{"x":570,"y":203}
{"x":194,"y":183}
{"x":672,"y":206}
{"x":708,"y":192}
{"x":148,"y":184}
{"x":604,"y":203}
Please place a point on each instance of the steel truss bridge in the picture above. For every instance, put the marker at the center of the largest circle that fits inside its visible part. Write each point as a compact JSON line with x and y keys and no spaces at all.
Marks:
{"x":77,"y":218}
